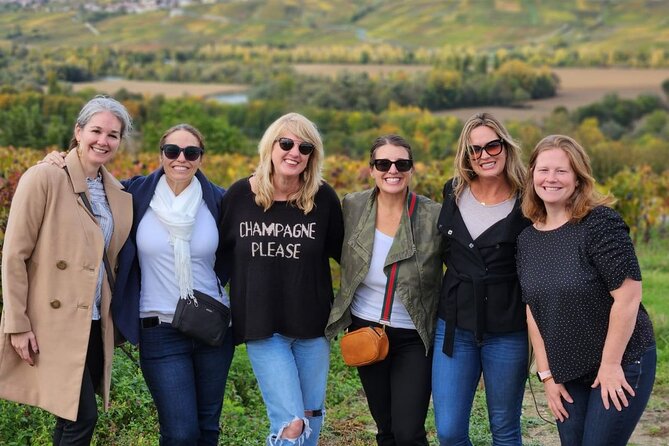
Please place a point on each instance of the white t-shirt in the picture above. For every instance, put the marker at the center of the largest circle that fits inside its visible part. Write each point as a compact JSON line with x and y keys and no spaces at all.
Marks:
{"x":159,"y":292}
{"x":368,"y":298}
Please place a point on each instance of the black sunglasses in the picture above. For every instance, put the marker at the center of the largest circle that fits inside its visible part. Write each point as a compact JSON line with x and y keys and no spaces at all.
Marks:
{"x":287,"y":144}
{"x":383,"y":165}
{"x":172,"y":151}
{"x":493,"y":148}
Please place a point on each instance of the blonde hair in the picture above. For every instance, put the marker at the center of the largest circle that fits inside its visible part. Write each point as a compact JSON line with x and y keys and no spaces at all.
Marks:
{"x":310,"y":179}
{"x":585,"y":196}
{"x":514,"y":169}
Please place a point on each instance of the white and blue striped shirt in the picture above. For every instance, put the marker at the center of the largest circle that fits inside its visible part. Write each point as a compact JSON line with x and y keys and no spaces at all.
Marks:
{"x":104,"y":216}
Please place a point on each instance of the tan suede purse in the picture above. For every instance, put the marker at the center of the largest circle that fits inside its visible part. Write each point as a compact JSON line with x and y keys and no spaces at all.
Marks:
{"x":368,"y":345}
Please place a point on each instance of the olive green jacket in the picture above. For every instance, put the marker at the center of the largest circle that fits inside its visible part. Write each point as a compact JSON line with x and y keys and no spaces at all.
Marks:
{"x":417,"y":246}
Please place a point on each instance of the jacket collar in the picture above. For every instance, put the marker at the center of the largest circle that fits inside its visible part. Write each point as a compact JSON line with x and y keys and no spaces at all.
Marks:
{"x":76,"y":171}
{"x":362,"y":238}
{"x":459,"y":232}
{"x":143,"y":198}
{"x":120,"y":203}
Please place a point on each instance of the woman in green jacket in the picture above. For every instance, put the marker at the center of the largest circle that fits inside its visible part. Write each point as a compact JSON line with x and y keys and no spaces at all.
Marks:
{"x":379,"y":232}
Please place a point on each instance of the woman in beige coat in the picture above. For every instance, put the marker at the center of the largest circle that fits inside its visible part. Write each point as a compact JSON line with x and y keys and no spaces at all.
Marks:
{"x":57,"y":335}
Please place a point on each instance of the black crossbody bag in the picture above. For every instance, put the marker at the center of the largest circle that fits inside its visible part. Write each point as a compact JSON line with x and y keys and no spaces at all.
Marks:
{"x":202,"y":317}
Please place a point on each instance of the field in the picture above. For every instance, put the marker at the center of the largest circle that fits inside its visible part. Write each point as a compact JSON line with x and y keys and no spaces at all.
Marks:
{"x":582,"y":86}
{"x":167,"y":89}
{"x":583,"y":25}
{"x":578,"y":87}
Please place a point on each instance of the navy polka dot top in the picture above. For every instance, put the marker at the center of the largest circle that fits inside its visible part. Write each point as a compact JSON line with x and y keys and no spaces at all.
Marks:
{"x":566,"y":276}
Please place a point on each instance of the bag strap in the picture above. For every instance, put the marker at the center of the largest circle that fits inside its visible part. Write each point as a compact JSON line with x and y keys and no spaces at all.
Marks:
{"x":105,"y":258}
{"x":391,"y":284}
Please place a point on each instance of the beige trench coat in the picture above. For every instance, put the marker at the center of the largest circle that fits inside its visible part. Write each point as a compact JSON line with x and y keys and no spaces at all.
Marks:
{"x":51,"y":259}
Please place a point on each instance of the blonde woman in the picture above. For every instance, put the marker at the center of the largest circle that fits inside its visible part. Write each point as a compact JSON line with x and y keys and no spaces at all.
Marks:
{"x":278,"y":230}
{"x":481,"y":327}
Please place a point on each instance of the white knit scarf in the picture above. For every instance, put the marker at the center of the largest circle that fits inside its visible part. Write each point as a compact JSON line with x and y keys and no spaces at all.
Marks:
{"x":177,"y":213}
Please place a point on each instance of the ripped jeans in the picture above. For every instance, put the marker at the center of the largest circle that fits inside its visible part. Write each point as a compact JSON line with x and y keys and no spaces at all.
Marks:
{"x":292,"y":376}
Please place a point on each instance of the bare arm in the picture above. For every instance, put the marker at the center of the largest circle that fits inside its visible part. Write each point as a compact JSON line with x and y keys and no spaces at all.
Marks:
{"x":554,"y":392}
{"x":626,"y":301}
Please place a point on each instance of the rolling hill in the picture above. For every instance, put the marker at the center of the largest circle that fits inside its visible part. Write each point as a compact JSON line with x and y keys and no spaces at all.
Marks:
{"x":482,"y":24}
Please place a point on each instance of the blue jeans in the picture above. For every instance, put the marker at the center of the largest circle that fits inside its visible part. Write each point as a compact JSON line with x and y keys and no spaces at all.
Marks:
{"x":502,"y":358}
{"x":292,"y":375}
{"x":187,"y":380}
{"x":590,"y":424}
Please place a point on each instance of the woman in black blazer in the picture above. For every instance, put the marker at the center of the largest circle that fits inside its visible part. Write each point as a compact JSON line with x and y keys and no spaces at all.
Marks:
{"x":481,"y":326}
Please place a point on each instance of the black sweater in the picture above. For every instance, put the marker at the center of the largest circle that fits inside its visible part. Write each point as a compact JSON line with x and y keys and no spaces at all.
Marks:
{"x":567,"y":275}
{"x":279,"y":265}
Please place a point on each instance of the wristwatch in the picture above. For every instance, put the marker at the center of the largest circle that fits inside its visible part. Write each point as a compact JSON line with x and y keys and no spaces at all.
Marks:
{"x":544,"y":376}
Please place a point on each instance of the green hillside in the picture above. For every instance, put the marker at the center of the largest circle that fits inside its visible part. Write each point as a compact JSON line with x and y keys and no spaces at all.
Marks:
{"x":484,"y":24}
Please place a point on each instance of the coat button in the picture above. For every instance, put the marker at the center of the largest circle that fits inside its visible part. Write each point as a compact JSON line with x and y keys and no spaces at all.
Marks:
{"x":62,"y":264}
{"x":471,"y":245}
{"x":55,"y":304}
{"x":450,"y":232}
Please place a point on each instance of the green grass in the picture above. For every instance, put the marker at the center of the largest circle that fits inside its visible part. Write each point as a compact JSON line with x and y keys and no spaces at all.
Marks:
{"x":132,"y":421}
{"x":654,"y":259}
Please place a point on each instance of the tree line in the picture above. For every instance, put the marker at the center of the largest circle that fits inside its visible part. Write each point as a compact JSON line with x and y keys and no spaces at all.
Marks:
{"x":465,"y":83}
{"x":617,"y":132}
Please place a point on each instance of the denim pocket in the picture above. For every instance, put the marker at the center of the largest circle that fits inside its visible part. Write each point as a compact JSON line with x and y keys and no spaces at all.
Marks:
{"x":633,"y":373}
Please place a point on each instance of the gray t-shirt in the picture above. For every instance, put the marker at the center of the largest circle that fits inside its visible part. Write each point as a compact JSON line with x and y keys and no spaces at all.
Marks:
{"x":479,"y":217}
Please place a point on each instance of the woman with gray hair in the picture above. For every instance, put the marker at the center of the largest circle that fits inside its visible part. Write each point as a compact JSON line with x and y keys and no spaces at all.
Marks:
{"x":278,"y":230}
{"x":170,"y":254}
{"x":57,"y":335}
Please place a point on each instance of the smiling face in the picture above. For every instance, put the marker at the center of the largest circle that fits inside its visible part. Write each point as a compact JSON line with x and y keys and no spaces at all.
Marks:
{"x":98,"y":141}
{"x":180,"y":171}
{"x":554,"y":178}
{"x":392,"y":181}
{"x":288,"y":164}
{"x":486,"y":166}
